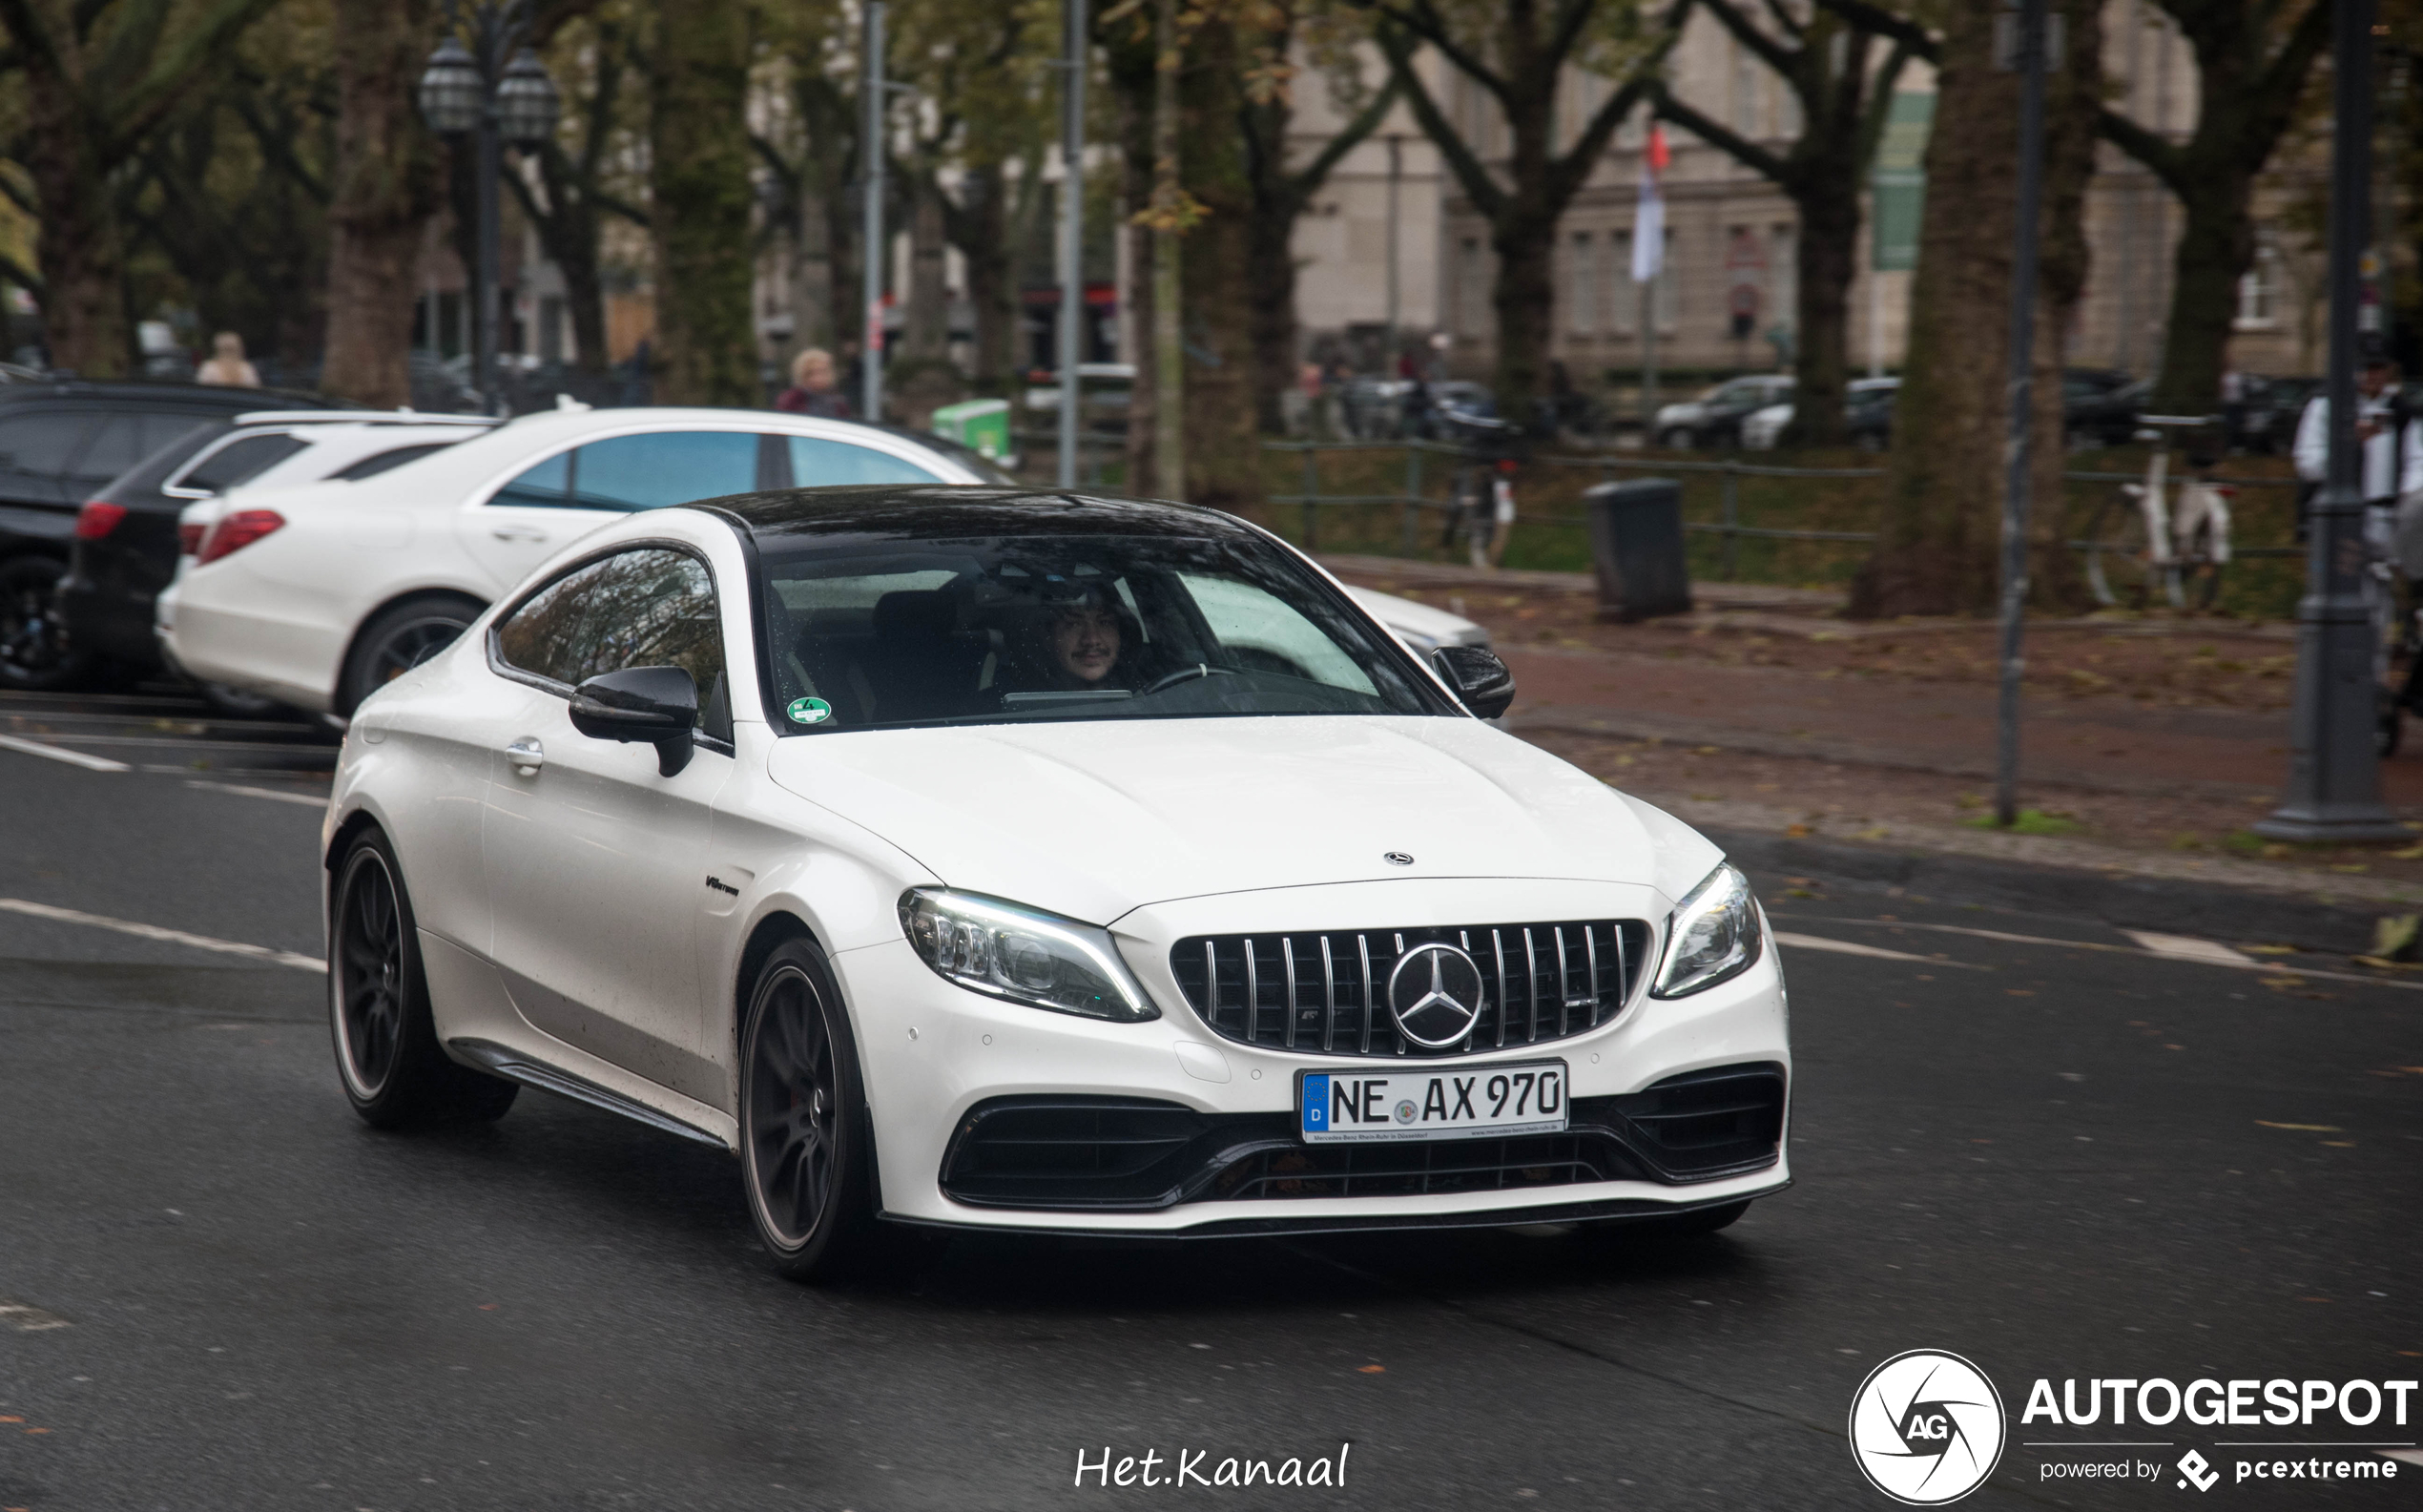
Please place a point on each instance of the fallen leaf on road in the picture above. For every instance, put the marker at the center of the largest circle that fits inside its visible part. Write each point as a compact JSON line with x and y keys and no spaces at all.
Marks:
{"x":1372,"y":1370}
{"x":1795,"y":831}
{"x":2303,"y":1128}
{"x":2269,"y":950}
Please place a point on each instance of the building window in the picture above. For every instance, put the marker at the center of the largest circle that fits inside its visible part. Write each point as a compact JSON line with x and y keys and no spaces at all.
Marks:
{"x":2260,"y":291}
{"x":1581,"y":287}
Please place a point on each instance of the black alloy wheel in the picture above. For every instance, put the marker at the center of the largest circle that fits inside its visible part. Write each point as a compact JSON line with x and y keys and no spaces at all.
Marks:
{"x":803,"y":1128}
{"x":399,"y":638}
{"x":387,"y":1054}
{"x":36,"y":655}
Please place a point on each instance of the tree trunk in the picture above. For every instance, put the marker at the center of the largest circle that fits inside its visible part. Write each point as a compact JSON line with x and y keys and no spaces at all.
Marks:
{"x":698,"y":168}
{"x":1129,"y":67}
{"x":385,"y":188}
{"x":928,"y":329}
{"x":1937,"y":549}
{"x":1524,"y":298}
{"x":78,"y":242}
{"x":984,"y":252}
{"x":1224,"y":454}
{"x":2216,"y":247}
{"x":810,"y":274}
{"x":1825,"y":255}
{"x":1270,"y":282}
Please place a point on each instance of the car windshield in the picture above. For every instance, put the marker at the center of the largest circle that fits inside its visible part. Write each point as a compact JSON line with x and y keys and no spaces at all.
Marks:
{"x":865,"y":634}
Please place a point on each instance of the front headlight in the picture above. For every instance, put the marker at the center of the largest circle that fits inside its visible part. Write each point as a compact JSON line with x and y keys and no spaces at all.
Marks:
{"x":1715,"y":933}
{"x":1006,"y":951}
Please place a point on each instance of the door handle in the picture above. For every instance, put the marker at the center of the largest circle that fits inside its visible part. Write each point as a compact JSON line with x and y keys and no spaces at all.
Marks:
{"x":519,"y":532}
{"x":527,"y":754}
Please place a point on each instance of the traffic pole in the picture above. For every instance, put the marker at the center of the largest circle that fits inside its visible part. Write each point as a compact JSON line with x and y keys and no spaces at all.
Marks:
{"x":2334,"y":772}
{"x":2015,"y":486}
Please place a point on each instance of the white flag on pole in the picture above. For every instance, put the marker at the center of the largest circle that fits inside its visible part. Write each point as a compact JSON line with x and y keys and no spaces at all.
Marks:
{"x":1648,"y":223}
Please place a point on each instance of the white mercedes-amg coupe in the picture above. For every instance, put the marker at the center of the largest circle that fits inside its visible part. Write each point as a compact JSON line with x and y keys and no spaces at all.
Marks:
{"x":988,"y":858}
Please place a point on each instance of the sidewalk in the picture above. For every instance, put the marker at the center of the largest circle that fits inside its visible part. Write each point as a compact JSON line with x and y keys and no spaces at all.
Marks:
{"x":2147,"y":745}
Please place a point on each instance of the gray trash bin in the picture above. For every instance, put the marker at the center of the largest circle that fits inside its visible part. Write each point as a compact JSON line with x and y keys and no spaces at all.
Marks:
{"x":1636,"y":546}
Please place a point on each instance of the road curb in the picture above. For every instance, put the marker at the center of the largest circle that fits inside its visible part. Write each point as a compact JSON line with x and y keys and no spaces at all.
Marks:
{"x":2206,"y":910}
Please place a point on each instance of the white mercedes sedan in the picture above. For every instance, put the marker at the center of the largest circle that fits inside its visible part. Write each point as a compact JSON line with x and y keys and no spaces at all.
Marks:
{"x":313,"y":596}
{"x":988,"y":858}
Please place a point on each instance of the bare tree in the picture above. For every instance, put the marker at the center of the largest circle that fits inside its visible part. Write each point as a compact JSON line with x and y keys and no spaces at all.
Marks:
{"x":1825,"y":62}
{"x":388,"y":185}
{"x":1517,"y":52}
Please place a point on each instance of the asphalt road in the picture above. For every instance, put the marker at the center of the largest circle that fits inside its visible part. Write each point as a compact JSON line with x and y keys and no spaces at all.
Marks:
{"x":223,"y":1292}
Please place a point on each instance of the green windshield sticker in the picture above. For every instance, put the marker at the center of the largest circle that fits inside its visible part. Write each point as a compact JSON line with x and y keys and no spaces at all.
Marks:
{"x":809,"y":711}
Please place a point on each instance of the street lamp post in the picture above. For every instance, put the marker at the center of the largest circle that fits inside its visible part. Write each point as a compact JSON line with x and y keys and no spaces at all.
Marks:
{"x":495,"y":90}
{"x":2334,"y":775}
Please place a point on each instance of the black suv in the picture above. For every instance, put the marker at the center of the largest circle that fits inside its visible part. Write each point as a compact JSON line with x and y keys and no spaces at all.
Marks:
{"x":61,"y":441}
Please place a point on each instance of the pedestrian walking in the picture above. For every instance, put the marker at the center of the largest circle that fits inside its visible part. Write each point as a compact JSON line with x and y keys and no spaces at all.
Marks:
{"x":227,"y":367}
{"x":2391,"y":477}
{"x":811,"y":390}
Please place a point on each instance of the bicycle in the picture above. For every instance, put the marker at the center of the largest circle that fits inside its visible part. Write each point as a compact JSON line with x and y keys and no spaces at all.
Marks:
{"x":1481,"y":503}
{"x":2181,"y":550}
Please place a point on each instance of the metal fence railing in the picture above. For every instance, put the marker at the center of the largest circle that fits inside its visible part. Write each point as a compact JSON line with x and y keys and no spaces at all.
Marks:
{"x":1728,"y":525}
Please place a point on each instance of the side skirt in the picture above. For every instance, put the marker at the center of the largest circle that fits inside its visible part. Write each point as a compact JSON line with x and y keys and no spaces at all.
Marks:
{"x":498,"y":1060}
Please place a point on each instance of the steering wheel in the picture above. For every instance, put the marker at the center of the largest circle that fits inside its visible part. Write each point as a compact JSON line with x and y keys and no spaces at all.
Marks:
{"x":1186,"y":675}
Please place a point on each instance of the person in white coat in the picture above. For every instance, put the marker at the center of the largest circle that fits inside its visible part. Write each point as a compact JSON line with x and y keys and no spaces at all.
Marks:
{"x":2392,"y":478}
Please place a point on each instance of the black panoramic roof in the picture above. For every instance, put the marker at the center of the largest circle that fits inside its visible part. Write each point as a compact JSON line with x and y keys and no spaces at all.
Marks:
{"x":951,"y":511}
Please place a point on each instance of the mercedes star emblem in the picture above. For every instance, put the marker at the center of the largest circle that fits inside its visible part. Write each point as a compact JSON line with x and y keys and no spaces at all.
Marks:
{"x":1435,"y":995}
{"x":1398,"y":859}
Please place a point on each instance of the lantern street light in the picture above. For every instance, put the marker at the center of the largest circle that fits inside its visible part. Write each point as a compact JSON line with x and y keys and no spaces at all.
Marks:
{"x":495,"y":90}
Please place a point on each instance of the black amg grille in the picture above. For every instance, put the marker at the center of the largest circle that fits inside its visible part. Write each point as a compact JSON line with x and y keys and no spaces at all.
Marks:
{"x":1076,"y":1153}
{"x":1430,"y":1167}
{"x":1328,"y":992}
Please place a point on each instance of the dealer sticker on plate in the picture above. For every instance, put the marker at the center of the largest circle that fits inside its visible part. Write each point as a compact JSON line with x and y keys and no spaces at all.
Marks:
{"x":1460,"y":1103}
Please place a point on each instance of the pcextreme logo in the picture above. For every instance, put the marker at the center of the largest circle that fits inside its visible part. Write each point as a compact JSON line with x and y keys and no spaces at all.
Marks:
{"x":1926,"y":1427}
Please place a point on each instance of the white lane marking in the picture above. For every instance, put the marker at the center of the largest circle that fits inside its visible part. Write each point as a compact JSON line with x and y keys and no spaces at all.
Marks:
{"x":2242,"y":963}
{"x":303,"y":798}
{"x":173,"y":937}
{"x":2188,"y":947}
{"x":1844,"y":947}
{"x":27,"y":1319}
{"x":10,"y":742}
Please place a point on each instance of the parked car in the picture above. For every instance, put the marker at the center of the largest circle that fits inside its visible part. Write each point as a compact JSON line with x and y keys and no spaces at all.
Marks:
{"x":1715,"y":417}
{"x":1867,"y":415}
{"x":316,"y":595}
{"x":127,"y":545}
{"x":1231,"y":918}
{"x":2100,"y":407}
{"x":61,"y":441}
{"x":2267,"y":420}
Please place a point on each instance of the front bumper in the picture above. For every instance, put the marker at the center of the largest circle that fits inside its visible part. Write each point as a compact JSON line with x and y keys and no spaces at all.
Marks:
{"x":939,"y":1059}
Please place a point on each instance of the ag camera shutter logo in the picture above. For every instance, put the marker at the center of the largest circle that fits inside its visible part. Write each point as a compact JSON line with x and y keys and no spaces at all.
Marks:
{"x":1927,"y":1427}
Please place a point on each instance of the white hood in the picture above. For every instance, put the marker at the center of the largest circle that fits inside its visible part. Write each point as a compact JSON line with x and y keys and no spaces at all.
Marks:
{"x":1092,"y":819}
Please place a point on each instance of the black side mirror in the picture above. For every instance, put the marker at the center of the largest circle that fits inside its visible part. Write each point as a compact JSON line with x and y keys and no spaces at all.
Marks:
{"x":655,"y":705}
{"x":1479,"y":677}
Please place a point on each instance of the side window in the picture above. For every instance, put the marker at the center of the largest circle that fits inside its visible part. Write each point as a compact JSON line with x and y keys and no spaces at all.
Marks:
{"x":648,"y":607}
{"x":42,"y":443}
{"x":547,"y":485}
{"x":376,"y":462}
{"x":816,"y":463}
{"x":1261,"y":633}
{"x":239,"y":461}
{"x":631,"y":474}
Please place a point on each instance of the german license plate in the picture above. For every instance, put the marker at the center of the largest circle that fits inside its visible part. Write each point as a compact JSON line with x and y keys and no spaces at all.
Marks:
{"x":1461,"y":1103}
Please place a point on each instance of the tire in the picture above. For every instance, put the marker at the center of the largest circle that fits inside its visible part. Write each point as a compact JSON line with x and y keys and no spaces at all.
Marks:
{"x":236,"y":701}
{"x":387,"y":1042}
{"x":806,"y":1144}
{"x":399,"y":638}
{"x":35,"y":655}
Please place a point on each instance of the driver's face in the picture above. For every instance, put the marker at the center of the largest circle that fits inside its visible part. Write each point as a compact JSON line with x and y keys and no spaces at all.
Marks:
{"x":1084,"y":641}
